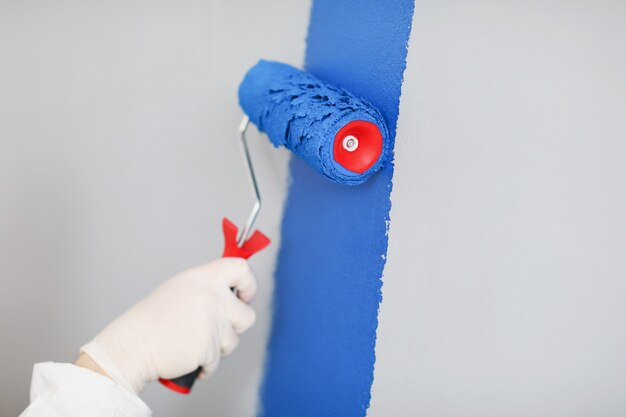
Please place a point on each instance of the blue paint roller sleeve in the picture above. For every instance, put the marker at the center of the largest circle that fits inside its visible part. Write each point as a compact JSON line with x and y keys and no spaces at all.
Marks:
{"x":342,"y":136}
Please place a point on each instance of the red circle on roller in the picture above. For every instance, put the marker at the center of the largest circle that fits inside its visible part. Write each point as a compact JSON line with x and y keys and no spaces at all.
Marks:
{"x":368,"y":149}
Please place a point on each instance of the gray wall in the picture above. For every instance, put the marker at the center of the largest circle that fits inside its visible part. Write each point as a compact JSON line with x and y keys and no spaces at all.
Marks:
{"x":505,"y":288}
{"x":506,"y":277}
{"x":118,"y":158}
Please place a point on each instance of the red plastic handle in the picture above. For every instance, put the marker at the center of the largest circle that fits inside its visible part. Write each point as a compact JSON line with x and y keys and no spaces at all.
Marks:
{"x":255,"y":243}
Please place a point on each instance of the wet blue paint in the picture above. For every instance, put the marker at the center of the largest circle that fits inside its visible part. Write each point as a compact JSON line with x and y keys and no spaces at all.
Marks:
{"x":328,"y":278}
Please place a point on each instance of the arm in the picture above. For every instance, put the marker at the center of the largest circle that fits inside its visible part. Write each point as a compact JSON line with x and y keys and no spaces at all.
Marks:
{"x":85,"y":361}
{"x":193,"y":319}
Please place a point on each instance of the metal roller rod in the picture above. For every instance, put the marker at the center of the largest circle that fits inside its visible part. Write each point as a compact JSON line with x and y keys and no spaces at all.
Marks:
{"x":245,"y":232}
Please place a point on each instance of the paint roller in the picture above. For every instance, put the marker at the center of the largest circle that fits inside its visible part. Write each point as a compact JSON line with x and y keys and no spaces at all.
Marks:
{"x":341,"y":136}
{"x":338,"y":134}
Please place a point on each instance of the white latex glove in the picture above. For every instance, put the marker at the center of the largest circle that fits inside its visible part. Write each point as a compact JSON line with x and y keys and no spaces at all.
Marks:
{"x":191,"y":320}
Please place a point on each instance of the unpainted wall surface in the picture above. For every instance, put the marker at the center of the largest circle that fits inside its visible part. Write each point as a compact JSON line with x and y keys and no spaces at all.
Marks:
{"x":118,"y":158}
{"x":504,"y":289}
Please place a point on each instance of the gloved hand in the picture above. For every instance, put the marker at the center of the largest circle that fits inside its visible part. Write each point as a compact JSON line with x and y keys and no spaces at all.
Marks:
{"x":191,"y":320}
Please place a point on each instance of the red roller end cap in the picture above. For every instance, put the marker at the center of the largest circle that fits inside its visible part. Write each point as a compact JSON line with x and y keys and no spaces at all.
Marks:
{"x":358,"y":146}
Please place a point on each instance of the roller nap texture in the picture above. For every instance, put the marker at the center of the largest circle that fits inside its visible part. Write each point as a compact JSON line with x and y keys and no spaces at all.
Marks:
{"x":341,"y":136}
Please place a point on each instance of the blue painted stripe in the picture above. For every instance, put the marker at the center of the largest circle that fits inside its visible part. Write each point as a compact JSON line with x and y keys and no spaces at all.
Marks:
{"x":328,"y":278}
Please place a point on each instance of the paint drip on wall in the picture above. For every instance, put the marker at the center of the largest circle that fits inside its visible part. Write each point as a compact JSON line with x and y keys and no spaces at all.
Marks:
{"x":334,"y":238}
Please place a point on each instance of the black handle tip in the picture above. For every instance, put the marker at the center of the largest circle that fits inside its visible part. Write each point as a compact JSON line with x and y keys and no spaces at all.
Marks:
{"x":182,"y":384}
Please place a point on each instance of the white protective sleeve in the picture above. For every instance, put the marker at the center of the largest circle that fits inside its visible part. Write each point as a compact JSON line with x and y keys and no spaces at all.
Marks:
{"x":66,"y":390}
